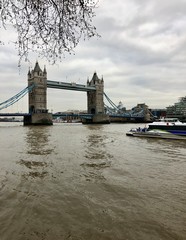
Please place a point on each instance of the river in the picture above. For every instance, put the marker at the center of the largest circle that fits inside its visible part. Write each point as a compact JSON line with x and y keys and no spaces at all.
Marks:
{"x":90,"y":182}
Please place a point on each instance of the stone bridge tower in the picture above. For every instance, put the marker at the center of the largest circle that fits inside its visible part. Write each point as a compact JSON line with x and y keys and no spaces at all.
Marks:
{"x":95,"y":100}
{"x":38,"y":98}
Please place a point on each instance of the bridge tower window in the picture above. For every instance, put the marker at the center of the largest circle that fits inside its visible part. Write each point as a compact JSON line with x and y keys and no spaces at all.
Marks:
{"x":93,"y":111}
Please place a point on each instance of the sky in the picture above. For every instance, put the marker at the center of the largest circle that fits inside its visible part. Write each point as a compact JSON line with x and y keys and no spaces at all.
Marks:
{"x":141,"y":56}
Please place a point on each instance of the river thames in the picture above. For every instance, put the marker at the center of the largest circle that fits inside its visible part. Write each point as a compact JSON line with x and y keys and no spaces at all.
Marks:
{"x":90,"y":182}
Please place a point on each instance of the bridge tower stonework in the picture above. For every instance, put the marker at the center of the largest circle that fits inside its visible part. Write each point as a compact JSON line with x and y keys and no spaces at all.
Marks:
{"x":95,"y":100}
{"x":38,"y":98}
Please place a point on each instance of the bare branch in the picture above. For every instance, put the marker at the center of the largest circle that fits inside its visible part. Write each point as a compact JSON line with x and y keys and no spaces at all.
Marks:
{"x":48,"y":27}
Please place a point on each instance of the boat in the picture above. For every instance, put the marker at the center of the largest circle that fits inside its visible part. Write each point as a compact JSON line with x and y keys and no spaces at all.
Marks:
{"x":171,"y":125}
{"x":155,"y":133}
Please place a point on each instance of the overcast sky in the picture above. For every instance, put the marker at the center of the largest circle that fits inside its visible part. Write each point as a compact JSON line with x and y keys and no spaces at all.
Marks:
{"x":141,"y":55}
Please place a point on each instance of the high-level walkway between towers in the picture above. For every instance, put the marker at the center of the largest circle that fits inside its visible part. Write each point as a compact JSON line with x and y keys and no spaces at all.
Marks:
{"x":70,"y":86}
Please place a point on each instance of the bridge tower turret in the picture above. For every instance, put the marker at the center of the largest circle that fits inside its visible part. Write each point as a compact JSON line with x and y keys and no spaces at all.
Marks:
{"x":95,"y":100}
{"x":37,"y":99}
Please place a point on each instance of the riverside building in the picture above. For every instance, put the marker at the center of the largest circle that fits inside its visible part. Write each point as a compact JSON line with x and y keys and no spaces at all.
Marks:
{"x":178,"y":110}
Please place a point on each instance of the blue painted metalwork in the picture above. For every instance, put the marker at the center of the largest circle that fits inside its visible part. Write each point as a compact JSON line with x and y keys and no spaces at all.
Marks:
{"x":14,"y":114}
{"x":16,"y":97}
{"x":115,"y":112}
{"x":110,"y":101}
{"x":125,"y":115}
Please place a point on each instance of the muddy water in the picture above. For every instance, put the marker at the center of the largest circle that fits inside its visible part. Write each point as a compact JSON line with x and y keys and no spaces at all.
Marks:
{"x":80,"y":182}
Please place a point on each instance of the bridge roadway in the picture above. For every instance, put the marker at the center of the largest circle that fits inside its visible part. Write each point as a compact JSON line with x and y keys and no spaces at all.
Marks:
{"x":70,"y":86}
{"x":87,"y":116}
{"x":14,"y":114}
{"x":91,"y":115}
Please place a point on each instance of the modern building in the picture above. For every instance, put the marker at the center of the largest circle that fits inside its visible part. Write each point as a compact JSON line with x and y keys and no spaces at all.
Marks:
{"x":178,"y":110}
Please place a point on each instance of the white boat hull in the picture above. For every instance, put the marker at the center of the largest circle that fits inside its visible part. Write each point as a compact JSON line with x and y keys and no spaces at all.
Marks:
{"x":151,"y":134}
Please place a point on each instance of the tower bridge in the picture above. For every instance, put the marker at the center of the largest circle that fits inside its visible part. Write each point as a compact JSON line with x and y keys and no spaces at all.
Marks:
{"x":37,"y":100}
{"x":38,"y":97}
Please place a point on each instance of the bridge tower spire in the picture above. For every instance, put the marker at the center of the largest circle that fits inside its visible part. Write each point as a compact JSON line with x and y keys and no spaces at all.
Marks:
{"x":37,"y":99}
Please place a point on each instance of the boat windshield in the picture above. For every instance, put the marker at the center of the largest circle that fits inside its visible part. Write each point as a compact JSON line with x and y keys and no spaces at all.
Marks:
{"x":167,"y":121}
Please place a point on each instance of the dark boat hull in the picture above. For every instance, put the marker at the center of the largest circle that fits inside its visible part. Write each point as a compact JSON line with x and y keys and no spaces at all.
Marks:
{"x":176,"y":129}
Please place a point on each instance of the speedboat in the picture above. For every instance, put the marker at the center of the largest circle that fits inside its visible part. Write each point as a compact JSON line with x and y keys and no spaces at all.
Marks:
{"x":136,"y":130}
{"x":171,"y":125}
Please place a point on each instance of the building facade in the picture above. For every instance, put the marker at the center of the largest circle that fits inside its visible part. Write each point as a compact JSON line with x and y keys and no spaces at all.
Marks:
{"x":178,"y":110}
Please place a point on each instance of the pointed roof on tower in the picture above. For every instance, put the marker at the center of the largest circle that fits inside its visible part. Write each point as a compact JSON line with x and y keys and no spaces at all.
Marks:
{"x":37,"y":67}
{"x":95,"y":77}
{"x":29,"y":73}
{"x":44,"y":71}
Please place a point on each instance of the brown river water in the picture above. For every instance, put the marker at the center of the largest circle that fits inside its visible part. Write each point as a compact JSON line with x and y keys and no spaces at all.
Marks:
{"x":90,"y":182}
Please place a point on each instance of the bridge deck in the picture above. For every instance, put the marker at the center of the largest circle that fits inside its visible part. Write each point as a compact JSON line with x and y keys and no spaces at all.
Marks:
{"x":81,"y":115}
{"x":14,"y":114}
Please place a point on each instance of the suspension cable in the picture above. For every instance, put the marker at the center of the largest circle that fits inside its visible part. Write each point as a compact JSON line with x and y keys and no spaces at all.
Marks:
{"x":111,"y":103}
{"x":16,"y":97}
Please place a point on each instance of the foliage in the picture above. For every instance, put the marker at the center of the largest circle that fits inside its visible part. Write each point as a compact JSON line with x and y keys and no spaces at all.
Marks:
{"x":48,"y":27}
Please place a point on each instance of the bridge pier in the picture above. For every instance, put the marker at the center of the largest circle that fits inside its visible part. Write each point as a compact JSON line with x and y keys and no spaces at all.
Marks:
{"x":101,"y":118}
{"x":38,"y":119}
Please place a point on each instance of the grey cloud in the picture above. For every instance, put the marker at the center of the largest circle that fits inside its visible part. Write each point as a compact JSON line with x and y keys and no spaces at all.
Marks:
{"x":141,"y":55}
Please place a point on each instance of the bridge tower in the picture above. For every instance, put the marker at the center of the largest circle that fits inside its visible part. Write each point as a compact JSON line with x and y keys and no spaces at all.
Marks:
{"x":38,"y":98}
{"x":95,"y":100}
